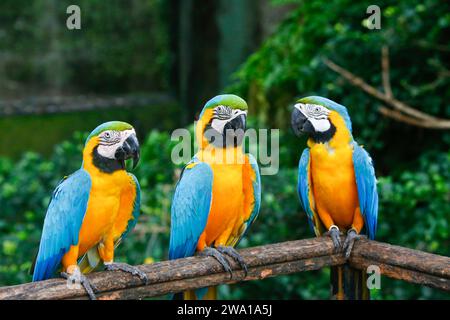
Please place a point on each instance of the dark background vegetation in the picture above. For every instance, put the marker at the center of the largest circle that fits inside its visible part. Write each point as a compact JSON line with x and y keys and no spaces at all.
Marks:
{"x":269,"y":52}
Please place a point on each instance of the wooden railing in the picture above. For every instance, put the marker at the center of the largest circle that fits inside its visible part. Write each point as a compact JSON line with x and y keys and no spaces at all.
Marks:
{"x":263,"y":261}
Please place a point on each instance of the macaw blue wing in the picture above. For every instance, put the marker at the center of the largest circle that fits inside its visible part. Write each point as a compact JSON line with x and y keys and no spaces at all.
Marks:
{"x":136,"y":209}
{"x":190,"y":208}
{"x":367,"y":189}
{"x":256,"y":190}
{"x":256,"y":184}
{"x":62,"y":223}
{"x":305,"y":193}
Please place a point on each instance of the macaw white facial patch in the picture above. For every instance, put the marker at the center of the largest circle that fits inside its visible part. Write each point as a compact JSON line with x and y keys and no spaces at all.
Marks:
{"x":316,"y":114}
{"x":111,"y":140}
{"x":321,"y":125}
{"x":218,"y":125}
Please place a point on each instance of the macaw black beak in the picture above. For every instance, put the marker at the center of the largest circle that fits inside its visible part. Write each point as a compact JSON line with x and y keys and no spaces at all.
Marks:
{"x":130,"y":149}
{"x":234,"y":131}
{"x":237,"y":123}
{"x":300,"y":123}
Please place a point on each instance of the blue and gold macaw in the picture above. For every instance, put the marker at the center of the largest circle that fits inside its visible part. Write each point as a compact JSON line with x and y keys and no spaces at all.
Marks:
{"x":219,"y":192}
{"x":336,"y":184}
{"x":92,"y":210}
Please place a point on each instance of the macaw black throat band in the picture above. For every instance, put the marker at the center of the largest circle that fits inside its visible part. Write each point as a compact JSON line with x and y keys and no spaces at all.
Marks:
{"x":106,"y":165}
{"x":323,"y":137}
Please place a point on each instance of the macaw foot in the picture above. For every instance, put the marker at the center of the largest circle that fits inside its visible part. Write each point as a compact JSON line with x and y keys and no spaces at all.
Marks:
{"x":114,"y":266}
{"x":230,"y":251}
{"x":335,"y":234}
{"x":352,"y":235}
{"x":78,"y":277}
{"x":216,"y":254}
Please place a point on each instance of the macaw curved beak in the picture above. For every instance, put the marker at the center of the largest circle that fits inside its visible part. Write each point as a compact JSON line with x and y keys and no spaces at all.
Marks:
{"x":300,"y":123}
{"x":129,"y":149}
{"x":234,"y":131}
{"x":237,"y":123}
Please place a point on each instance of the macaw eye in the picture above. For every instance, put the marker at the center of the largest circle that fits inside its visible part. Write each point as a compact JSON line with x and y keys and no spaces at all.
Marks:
{"x":317,"y":109}
{"x":107,"y":135}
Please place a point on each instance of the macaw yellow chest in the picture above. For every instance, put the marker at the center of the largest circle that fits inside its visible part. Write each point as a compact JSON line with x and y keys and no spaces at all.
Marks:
{"x":109,"y":208}
{"x":333,"y":182}
{"x":227,"y":207}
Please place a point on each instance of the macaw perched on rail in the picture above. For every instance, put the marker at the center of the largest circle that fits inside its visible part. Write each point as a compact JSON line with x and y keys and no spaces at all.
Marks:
{"x":92,"y":210}
{"x":336,"y":185}
{"x":219,"y":192}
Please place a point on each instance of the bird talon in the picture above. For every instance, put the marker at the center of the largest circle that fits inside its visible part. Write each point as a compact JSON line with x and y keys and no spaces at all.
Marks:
{"x":93,"y":286}
{"x":335,"y":234}
{"x":116,"y":266}
{"x":216,"y":254}
{"x":352,"y":235}
{"x":78,"y":277}
{"x":230,"y":251}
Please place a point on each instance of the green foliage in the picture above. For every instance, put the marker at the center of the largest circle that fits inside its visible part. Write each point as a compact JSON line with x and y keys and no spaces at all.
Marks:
{"x":415,"y":213}
{"x":289,"y":65}
{"x":418,"y":196}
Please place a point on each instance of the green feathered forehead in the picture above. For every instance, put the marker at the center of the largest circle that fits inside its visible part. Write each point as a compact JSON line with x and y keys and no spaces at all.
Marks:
{"x":111,"y":125}
{"x":229,"y":100}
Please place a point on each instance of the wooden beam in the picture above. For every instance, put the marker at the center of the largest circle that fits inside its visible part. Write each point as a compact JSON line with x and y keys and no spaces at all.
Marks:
{"x":263,"y":261}
{"x":402,"y":263}
{"x":190,"y":273}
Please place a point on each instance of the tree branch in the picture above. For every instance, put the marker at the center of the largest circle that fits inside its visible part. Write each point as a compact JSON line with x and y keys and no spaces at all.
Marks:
{"x":386,"y":71}
{"x":404,"y":118}
{"x":264,"y":261}
{"x":431,"y":121}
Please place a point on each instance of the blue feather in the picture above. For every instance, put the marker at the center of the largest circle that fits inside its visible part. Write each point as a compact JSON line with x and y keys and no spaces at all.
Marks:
{"x":190,"y":209}
{"x":62,"y":223}
{"x":136,"y":209}
{"x":256,"y":189}
{"x":256,"y":196}
{"x":304,"y":190}
{"x":367,"y":189}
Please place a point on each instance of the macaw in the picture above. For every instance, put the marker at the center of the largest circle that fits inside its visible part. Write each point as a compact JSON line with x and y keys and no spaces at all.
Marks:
{"x":336,"y":185}
{"x":218,"y":195}
{"x":92,"y":210}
